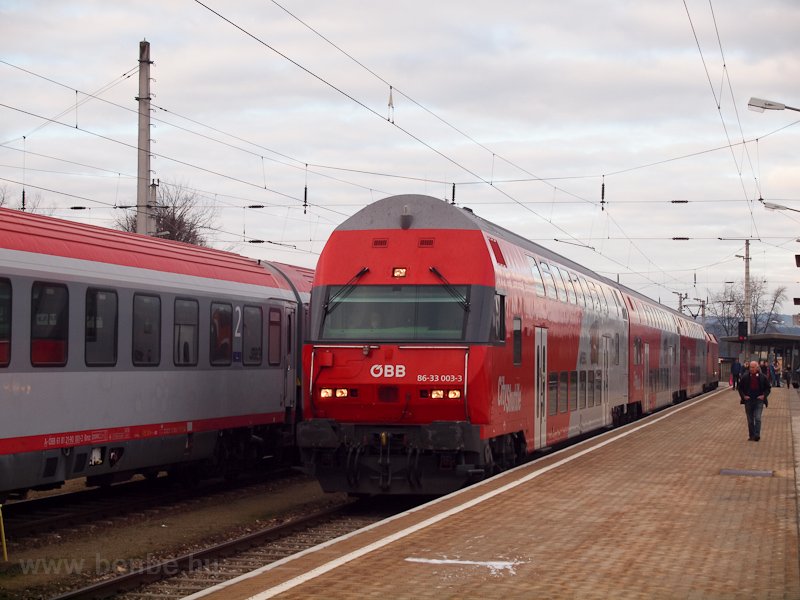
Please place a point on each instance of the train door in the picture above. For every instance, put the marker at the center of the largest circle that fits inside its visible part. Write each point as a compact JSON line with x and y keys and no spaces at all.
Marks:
{"x":290,"y":384}
{"x":604,"y":358}
{"x":540,"y":385}
{"x":646,"y":380}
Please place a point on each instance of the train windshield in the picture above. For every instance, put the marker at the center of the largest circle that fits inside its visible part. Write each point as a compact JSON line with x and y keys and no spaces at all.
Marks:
{"x":397,"y":312}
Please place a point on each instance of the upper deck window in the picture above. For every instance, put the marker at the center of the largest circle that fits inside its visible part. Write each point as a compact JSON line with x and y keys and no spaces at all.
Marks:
{"x":563,"y":274}
{"x":576,"y":283}
{"x":549,"y":281}
{"x":396,"y":312}
{"x":538,"y":283}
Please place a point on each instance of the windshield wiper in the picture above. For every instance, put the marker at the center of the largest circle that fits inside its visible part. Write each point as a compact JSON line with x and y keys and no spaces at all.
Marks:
{"x":462,"y":300}
{"x":343,"y":292}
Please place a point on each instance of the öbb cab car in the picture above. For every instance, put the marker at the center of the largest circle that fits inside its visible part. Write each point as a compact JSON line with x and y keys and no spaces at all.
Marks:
{"x":443,"y":348}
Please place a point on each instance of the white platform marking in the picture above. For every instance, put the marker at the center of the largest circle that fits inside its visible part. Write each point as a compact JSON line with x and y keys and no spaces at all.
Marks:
{"x":495,"y":566}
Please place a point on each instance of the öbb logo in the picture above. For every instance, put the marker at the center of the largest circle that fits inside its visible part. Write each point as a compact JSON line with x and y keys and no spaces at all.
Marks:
{"x":388,"y":371}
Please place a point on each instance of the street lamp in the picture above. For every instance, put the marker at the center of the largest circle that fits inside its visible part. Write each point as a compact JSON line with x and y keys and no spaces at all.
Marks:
{"x":760,"y":105}
{"x":773,"y":206}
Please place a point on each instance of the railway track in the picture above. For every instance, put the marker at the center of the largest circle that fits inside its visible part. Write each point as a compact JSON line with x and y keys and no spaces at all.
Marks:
{"x":63,"y":511}
{"x":191,"y":573}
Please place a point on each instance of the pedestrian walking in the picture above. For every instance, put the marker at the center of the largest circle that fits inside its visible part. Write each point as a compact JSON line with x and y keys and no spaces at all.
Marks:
{"x":736,"y":372}
{"x":754,"y":389}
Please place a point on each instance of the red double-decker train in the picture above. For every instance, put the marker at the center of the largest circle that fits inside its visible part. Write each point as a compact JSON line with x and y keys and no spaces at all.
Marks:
{"x":443,"y":348}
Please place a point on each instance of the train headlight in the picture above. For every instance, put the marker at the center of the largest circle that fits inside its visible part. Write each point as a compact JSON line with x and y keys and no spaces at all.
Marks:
{"x":437,"y":394}
{"x":326,"y":393}
{"x":341,"y":392}
{"x":453,"y":394}
{"x":399,"y":272}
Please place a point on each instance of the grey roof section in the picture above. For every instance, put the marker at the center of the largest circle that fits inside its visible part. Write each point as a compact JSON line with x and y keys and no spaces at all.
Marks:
{"x":428,"y":212}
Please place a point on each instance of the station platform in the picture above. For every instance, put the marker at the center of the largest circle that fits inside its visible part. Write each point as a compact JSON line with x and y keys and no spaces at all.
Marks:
{"x":677,"y":505}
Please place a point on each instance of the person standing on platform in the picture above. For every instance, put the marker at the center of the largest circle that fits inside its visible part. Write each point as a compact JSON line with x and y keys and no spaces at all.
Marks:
{"x":754,"y":389}
{"x":736,"y":372}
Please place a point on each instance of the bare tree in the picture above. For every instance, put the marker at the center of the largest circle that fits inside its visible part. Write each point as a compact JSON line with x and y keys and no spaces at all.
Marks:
{"x":728,"y":307}
{"x":772,"y":306}
{"x":178,"y":215}
{"x":33,"y":203}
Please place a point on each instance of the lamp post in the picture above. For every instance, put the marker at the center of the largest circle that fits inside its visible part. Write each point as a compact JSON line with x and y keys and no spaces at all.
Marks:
{"x":773,"y":206}
{"x":760,"y":105}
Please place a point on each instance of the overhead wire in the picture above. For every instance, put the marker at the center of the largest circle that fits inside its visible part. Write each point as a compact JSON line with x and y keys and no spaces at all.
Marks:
{"x":405,"y":131}
{"x":483,"y":181}
{"x":718,"y":100}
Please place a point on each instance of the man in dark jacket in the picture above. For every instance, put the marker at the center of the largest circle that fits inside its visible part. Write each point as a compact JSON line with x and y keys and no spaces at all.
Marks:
{"x":754,"y":389}
{"x":736,"y":373}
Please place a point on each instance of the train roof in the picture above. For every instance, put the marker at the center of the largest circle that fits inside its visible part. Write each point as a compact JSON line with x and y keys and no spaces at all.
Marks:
{"x":427,"y":212}
{"x":26,"y":232}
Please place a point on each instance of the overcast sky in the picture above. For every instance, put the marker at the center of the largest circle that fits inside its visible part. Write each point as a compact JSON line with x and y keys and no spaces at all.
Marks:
{"x":527,"y":106}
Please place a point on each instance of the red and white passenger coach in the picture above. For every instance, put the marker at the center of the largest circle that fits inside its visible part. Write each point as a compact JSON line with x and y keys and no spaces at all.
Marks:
{"x":443,"y":348}
{"x":124,"y":354}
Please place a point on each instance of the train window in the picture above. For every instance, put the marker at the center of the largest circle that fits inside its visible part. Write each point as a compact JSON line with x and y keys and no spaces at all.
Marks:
{"x":5,"y":322}
{"x":567,"y":283}
{"x":498,"y":253}
{"x":517,"y":341}
{"x":590,"y":388}
{"x":587,"y":294}
{"x":499,"y":320}
{"x":538,"y":283}
{"x":602,"y":295}
{"x":562,"y":290}
{"x":573,"y":390}
{"x":582,"y":391}
{"x":185,"y":332}
{"x":578,"y":289}
{"x":637,"y":351}
{"x":49,"y":324}
{"x":146,"y":330}
{"x":620,"y":305}
{"x":396,"y":312}
{"x":274,"y":340}
{"x":101,"y":328}
{"x":562,"y":391}
{"x":221,"y":349}
{"x":598,"y":303}
{"x":552,"y":393}
{"x":252,"y":337}
{"x":549,"y":281}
